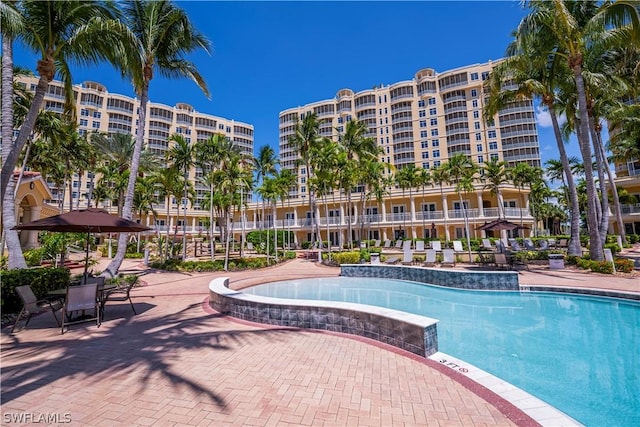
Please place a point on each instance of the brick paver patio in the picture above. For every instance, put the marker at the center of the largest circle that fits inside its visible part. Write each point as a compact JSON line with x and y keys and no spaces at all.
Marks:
{"x":179,"y":363}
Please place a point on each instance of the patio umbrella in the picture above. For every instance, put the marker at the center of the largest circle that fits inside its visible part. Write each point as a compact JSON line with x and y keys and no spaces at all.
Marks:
{"x":91,"y":220}
{"x":501,"y":224}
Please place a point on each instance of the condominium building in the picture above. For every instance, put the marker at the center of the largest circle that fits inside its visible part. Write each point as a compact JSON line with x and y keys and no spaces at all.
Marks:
{"x":424,"y":121}
{"x":110,"y":113}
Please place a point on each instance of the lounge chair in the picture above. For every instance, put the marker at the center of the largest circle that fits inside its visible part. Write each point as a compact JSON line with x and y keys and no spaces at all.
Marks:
{"x":81,"y":298}
{"x":448,"y":258}
{"x":515,"y":245}
{"x":486,"y":244}
{"x":501,"y":261}
{"x":250,"y":247}
{"x":32,"y":305}
{"x":563,"y":243}
{"x":387,"y":244}
{"x":376,"y":244}
{"x":406,"y":245}
{"x":398,"y":244}
{"x":528,"y":244}
{"x":543,"y":244}
{"x":407,"y":256}
{"x":436,"y":245}
{"x":420,"y":246}
{"x":457,"y":246}
{"x":430,"y":259}
{"x":552,"y":242}
{"x":392,"y":260}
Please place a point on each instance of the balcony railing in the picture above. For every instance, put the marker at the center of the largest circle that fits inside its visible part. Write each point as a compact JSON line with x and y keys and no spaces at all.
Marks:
{"x":630,"y":209}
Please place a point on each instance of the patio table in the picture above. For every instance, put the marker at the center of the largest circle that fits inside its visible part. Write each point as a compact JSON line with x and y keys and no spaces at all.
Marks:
{"x":62,"y":293}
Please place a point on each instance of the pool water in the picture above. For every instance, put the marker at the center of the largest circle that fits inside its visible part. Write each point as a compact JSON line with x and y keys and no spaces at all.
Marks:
{"x":579,"y":354}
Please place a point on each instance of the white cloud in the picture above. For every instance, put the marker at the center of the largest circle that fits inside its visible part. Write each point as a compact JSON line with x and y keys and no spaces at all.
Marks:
{"x":543,"y":118}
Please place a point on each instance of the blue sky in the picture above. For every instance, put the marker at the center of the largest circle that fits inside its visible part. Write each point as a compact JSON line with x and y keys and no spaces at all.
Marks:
{"x":270,"y":56}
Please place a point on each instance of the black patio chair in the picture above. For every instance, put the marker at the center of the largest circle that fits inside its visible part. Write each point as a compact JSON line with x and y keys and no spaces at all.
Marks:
{"x":120,"y":293}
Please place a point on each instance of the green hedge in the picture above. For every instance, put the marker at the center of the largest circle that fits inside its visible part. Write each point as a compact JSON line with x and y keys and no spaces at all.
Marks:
{"x":41,"y":280}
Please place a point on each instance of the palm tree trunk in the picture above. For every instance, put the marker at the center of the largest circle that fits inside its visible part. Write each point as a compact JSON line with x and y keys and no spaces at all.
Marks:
{"x":466,"y":226}
{"x":11,"y":160}
{"x":574,"y":243}
{"x":184,"y":217}
{"x":600,"y":165}
{"x":614,"y":191}
{"x":595,"y":242}
{"x":275,"y":230}
{"x":227,"y":239}
{"x":212,"y":225}
{"x":115,"y":264}
{"x":326,"y":214}
{"x":166,"y":243}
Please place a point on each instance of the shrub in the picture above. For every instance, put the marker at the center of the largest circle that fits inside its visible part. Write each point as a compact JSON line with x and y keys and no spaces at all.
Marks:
{"x":346,"y":257}
{"x":601,"y":267}
{"x":41,"y":280}
{"x":633,"y":238}
{"x":624,"y":265}
{"x":614,"y":248}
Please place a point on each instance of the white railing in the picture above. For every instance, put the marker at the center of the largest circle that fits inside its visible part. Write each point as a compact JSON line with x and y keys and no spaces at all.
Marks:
{"x":630,"y":209}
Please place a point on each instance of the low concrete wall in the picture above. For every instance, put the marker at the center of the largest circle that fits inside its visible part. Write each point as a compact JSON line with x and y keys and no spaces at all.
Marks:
{"x":417,"y":334}
{"x":481,"y":280}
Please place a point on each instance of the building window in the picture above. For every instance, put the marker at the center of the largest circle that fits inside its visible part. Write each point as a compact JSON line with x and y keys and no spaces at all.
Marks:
{"x":348,"y":118}
{"x":84,"y":122}
{"x":303,"y":180}
{"x":494,"y":157}
{"x":491,"y":134}
{"x":474,"y":93}
{"x":424,"y":144}
{"x":432,"y":101}
{"x":434,"y":132}
{"x":425,"y":165}
{"x":474,"y":103}
{"x":434,"y":122}
{"x":84,"y":112}
{"x":478,"y":137}
{"x":303,"y":171}
{"x":423,"y":123}
{"x":421,"y":103}
{"x":476,"y":125}
{"x":423,"y":134}
{"x":474,"y":76}
{"x":339,"y":119}
{"x":436,"y":154}
{"x":95,"y":125}
{"x":387,"y":138}
{"x":476,"y":114}
{"x":485,"y":75}
{"x":479,"y":148}
{"x":433,"y":111}
{"x":425,"y":154}
{"x":422,"y":113}
{"x":97,"y":114}
{"x":436,"y":163}
{"x":493,"y":145}
{"x":435,"y":143}
{"x":480,"y":159}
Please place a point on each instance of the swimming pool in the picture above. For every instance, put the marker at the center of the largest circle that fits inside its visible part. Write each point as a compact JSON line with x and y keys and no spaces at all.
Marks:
{"x":579,"y":354}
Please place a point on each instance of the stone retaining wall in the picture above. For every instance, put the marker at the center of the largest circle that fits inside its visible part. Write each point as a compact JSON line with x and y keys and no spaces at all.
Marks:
{"x":481,"y":280}
{"x":417,"y":334}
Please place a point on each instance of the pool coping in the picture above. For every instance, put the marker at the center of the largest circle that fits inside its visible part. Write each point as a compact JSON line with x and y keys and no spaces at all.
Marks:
{"x":576,"y":290}
{"x":539,"y":410}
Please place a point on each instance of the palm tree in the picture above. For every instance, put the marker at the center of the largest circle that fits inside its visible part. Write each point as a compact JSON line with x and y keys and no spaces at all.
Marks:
{"x":75,"y":31}
{"x":495,"y":174}
{"x":265,"y":165}
{"x":306,"y":136}
{"x":521,"y":175}
{"x":145,"y":199}
{"x":461,"y":172}
{"x":424,"y":179}
{"x":536,"y":74}
{"x":286,"y":180}
{"x":181,"y":155}
{"x":213,"y":154}
{"x":163,"y":36}
{"x":440,"y":175}
{"x":568,"y":29}
{"x":407,"y":178}
{"x":168,"y":184}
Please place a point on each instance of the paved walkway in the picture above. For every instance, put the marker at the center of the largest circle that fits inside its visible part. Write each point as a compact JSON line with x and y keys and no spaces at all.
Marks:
{"x":179,"y":363}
